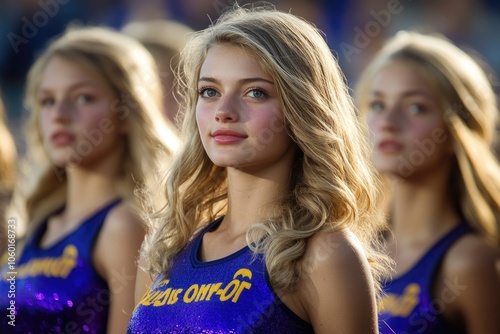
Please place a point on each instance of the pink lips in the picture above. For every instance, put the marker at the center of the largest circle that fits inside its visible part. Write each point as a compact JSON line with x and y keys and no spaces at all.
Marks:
{"x":389,"y":146}
{"x":227,"y":136}
{"x":61,"y":138}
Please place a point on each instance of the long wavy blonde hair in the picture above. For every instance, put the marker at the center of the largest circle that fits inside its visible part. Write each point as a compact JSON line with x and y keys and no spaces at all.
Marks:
{"x":333,"y":185}
{"x":470,"y":111}
{"x":131,"y":72}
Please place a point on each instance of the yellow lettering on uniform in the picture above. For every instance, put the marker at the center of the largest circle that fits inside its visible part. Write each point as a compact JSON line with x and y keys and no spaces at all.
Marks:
{"x":70,"y":254}
{"x":51,"y":266}
{"x":190,"y":294}
{"x":401,"y":305}
{"x":174,"y":296}
{"x":215,"y":287}
{"x":202,"y":292}
{"x":146,"y":301}
{"x":409,"y":300}
{"x":164,"y":282}
{"x":162,"y":298}
{"x":244,"y":273}
{"x":243,"y":285}
{"x":224,"y":294}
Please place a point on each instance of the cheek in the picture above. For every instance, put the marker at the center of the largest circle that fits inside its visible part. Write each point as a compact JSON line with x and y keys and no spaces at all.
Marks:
{"x":371,"y":123}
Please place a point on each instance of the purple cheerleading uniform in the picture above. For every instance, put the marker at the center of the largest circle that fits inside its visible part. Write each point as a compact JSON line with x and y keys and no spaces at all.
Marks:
{"x":409,"y":306}
{"x":226,"y":296}
{"x":57,"y":289}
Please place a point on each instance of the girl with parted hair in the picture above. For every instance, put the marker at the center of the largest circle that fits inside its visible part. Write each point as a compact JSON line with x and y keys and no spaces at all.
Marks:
{"x":96,"y":132}
{"x":271,"y":213}
{"x":431,"y":111}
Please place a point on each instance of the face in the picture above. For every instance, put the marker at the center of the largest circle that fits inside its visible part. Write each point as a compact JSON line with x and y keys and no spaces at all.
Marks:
{"x":406,"y":122}
{"x":239,"y":116}
{"x":77,"y":124}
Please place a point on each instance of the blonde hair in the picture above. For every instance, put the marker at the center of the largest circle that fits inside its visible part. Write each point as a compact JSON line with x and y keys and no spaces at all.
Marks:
{"x":333,"y":186}
{"x":165,"y":40}
{"x":470,"y":112}
{"x":8,"y":156}
{"x":130,"y":71}
{"x":8,"y":166}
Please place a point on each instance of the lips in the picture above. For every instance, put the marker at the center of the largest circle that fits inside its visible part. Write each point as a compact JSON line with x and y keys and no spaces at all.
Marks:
{"x":61,"y":138}
{"x":225,"y":136}
{"x":389,"y":146}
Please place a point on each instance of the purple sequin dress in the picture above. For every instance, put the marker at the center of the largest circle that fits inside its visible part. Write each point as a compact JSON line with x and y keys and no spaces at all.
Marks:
{"x":229,"y":295}
{"x":57,"y":289}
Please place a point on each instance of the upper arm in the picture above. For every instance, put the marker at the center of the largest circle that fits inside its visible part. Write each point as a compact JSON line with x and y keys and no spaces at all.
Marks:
{"x":472,"y":282}
{"x":115,"y":256}
{"x":337,"y":290}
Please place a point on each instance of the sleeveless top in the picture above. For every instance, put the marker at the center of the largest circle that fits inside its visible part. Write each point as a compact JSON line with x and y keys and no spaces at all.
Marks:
{"x":226,"y":296}
{"x":57,"y":289}
{"x":408,"y":306}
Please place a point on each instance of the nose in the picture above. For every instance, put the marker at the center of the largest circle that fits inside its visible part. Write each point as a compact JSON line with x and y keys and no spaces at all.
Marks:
{"x":391,"y":119}
{"x":227,"y":110}
{"x":61,"y":111}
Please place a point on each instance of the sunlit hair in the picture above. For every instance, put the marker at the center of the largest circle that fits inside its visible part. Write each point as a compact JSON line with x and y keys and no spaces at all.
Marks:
{"x":470,"y":111}
{"x":332,"y":186}
{"x":165,"y":40}
{"x":7,"y":172}
{"x":7,"y":157}
{"x":130,"y":71}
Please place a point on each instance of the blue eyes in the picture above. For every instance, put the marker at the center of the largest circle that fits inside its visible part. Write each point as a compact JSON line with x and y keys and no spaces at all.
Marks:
{"x":413,"y":108}
{"x":255,"y":93}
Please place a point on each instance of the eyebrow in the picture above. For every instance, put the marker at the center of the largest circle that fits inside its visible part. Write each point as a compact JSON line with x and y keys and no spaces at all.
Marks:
{"x":72,"y":87}
{"x":406,"y":94}
{"x":241,"y":81}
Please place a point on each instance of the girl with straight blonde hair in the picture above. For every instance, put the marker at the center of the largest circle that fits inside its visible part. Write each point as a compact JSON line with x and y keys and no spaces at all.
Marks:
{"x":271,"y":213}
{"x":96,"y":131}
{"x":431,"y":111}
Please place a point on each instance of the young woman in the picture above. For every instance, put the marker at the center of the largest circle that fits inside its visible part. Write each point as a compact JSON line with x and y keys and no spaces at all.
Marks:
{"x":431,"y":112}
{"x":96,"y":131}
{"x":272,"y":202}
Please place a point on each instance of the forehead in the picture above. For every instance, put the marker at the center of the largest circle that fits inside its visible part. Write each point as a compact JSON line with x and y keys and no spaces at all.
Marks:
{"x":221,"y":58}
{"x":400,"y":76}
{"x":60,"y":71}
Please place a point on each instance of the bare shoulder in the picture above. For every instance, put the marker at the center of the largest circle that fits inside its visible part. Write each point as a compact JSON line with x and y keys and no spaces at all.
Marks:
{"x":336,"y":280}
{"x":119,"y":240}
{"x":122,"y":220}
{"x":469,"y":254}
{"x":328,"y":250}
{"x":471,"y":284}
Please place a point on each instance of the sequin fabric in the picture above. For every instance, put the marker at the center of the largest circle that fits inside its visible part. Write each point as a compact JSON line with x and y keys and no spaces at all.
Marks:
{"x":57,"y":289}
{"x":227,"y":296}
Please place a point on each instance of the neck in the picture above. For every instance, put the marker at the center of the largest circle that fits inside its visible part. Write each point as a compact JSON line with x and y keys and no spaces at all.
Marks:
{"x":422,"y":207}
{"x":91,"y":187}
{"x":252,"y":196}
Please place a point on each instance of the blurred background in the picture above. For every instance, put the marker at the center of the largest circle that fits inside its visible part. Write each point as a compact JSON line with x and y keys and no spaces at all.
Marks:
{"x":354,"y":29}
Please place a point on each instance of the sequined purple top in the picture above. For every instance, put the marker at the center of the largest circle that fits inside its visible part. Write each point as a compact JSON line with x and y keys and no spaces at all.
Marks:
{"x":226,"y":296}
{"x":409,"y":305}
{"x":57,"y":289}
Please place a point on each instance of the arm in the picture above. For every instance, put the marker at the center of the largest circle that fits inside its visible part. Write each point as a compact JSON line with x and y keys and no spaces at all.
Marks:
{"x":471,"y":282}
{"x":115,"y":257}
{"x":337,"y":291}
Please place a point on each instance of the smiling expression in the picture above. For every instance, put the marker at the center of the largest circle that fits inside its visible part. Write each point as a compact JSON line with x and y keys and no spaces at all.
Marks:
{"x":238,"y":113}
